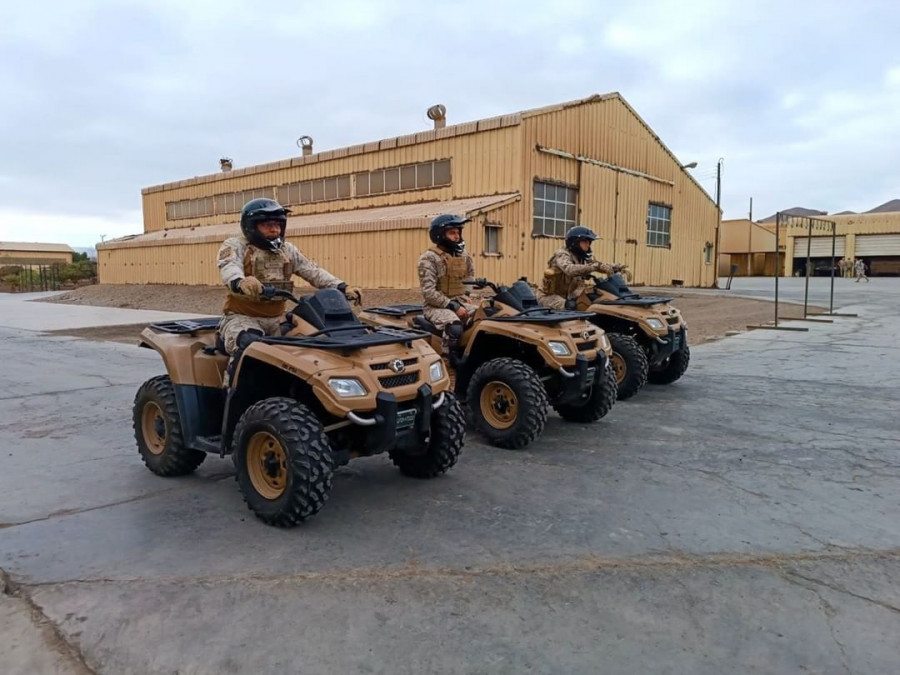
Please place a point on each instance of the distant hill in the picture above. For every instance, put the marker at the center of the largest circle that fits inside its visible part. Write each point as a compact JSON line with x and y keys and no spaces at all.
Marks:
{"x":887,"y":207}
{"x":844,"y":213}
{"x":795,"y":211}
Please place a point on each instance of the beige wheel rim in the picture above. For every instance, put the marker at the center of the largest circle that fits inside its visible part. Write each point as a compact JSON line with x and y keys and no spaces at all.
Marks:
{"x":267,"y":465}
{"x":499,"y":405}
{"x":618,"y":364}
{"x":153,"y":427}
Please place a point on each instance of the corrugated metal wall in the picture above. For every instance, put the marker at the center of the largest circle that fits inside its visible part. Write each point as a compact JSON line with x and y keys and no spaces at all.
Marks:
{"x":614,"y":204}
{"x":483,"y":163}
{"x":497,"y":159}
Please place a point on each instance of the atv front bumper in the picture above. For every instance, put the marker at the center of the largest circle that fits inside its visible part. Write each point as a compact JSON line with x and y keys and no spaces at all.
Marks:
{"x":574,"y":382}
{"x":403,"y":425}
{"x":663,"y":348}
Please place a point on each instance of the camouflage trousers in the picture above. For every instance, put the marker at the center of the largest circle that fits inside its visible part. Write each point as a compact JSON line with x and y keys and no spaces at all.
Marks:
{"x":551,"y":301}
{"x":442,"y":317}
{"x":233,"y":325}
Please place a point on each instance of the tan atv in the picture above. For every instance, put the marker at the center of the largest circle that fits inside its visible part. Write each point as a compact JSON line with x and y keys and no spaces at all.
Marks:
{"x":328,"y":389}
{"x":648,"y":335}
{"x":516,"y":359}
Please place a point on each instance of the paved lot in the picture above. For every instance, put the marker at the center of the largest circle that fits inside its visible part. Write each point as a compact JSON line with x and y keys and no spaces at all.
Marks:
{"x":745,"y":519}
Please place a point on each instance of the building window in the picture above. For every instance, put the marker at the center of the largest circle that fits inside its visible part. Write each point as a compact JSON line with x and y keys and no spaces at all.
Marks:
{"x":707,"y":250}
{"x":401,"y":178}
{"x":659,"y":225}
{"x":319,"y":190}
{"x":492,"y":238}
{"x":554,"y":209}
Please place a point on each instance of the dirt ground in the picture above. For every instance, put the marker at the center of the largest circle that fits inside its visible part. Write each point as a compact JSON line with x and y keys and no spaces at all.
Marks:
{"x":709,"y":317}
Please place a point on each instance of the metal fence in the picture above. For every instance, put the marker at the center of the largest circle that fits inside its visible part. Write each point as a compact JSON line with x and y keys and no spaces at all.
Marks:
{"x":35,"y":278}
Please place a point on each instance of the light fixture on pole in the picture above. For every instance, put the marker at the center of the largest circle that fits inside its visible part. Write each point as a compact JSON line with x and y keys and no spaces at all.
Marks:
{"x":692,"y":165}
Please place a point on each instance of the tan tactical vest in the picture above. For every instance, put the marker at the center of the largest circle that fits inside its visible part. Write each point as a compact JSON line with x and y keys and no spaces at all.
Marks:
{"x":555,"y":281}
{"x":271,"y":268}
{"x":451,"y":283}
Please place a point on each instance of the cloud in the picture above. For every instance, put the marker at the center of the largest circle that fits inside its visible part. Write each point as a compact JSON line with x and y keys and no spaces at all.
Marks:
{"x":105,"y":97}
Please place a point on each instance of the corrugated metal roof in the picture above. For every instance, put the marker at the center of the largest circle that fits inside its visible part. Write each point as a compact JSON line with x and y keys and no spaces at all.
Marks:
{"x":462,"y":128}
{"x":399,"y":217}
{"x":35,"y":247}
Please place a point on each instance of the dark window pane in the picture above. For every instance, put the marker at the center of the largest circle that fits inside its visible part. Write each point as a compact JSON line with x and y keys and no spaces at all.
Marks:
{"x":424,"y":175}
{"x":376,"y":182}
{"x":407,"y":177}
{"x":306,"y":192}
{"x":538,"y":190}
{"x":391,"y":180}
{"x":330,"y":188}
{"x":538,"y":207}
{"x":343,"y":187}
{"x":362,"y":184}
{"x":442,"y":172}
{"x":318,"y":187}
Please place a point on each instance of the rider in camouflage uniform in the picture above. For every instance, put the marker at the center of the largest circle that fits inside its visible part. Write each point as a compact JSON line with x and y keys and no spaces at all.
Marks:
{"x":567,"y":271}
{"x":261,"y":257}
{"x":442,"y":270}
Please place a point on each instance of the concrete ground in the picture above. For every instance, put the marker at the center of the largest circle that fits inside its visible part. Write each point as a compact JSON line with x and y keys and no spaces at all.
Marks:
{"x":19,"y":312}
{"x":744,"y":519}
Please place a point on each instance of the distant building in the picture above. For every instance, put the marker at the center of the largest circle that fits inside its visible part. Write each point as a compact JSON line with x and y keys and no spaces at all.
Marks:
{"x":873,"y":236}
{"x":524,"y":179}
{"x":30,"y":254}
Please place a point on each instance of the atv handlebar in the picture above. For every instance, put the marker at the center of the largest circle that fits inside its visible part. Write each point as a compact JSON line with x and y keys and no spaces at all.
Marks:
{"x":270,"y":292}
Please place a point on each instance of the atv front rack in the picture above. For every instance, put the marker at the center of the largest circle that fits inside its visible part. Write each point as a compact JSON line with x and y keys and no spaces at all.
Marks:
{"x":635,"y":302}
{"x":186,"y":326}
{"x":396,"y":310}
{"x":357,"y":340}
{"x":543,"y":315}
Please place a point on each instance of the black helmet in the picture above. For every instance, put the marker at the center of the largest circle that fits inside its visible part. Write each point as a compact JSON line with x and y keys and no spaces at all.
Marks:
{"x":576,"y":234}
{"x":257,"y":211}
{"x":440,"y":224}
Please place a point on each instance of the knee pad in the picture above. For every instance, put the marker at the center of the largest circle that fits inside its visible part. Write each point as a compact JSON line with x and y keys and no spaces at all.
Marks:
{"x":246,"y":337}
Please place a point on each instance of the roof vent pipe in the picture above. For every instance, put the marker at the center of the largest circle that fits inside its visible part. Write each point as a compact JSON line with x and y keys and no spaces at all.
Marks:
{"x":225,"y":164}
{"x":438,"y":113}
{"x":305,"y":143}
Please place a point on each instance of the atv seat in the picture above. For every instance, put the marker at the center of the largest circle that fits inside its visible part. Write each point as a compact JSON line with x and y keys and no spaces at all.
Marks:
{"x":422,"y":323}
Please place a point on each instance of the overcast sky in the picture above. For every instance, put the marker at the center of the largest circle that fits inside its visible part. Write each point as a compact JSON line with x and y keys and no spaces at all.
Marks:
{"x":101,"y":98}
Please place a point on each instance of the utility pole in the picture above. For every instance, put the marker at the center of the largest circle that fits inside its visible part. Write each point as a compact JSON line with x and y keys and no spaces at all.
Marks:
{"x":718,"y":221}
{"x":751,"y":209}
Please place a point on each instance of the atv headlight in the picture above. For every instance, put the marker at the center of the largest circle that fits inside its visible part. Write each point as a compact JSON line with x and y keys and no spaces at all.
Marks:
{"x":655,"y":324}
{"x":436,"y":371}
{"x":559,"y":348}
{"x":346,"y":387}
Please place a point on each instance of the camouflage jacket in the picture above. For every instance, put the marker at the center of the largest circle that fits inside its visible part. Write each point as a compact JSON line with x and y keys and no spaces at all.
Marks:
{"x":432,"y":269}
{"x":566,"y":276}
{"x":233,"y":261}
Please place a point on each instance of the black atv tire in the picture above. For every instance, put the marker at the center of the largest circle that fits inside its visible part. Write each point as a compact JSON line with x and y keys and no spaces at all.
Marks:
{"x":293,"y":480}
{"x":530,"y":401}
{"x":157,"y":430}
{"x":600,"y":402}
{"x":448,"y":433}
{"x":674,"y":368}
{"x":634,"y":362}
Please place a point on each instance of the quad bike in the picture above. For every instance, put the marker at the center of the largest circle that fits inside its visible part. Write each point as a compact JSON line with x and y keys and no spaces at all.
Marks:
{"x":298,"y":405}
{"x":516,"y":358}
{"x":648,"y":336}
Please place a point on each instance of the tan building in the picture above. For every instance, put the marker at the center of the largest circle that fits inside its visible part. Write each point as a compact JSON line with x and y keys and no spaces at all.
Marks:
{"x":525,"y":178}
{"x":30,"y":254}
{"x":747,"y":246}
{"x":873,"y":237}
